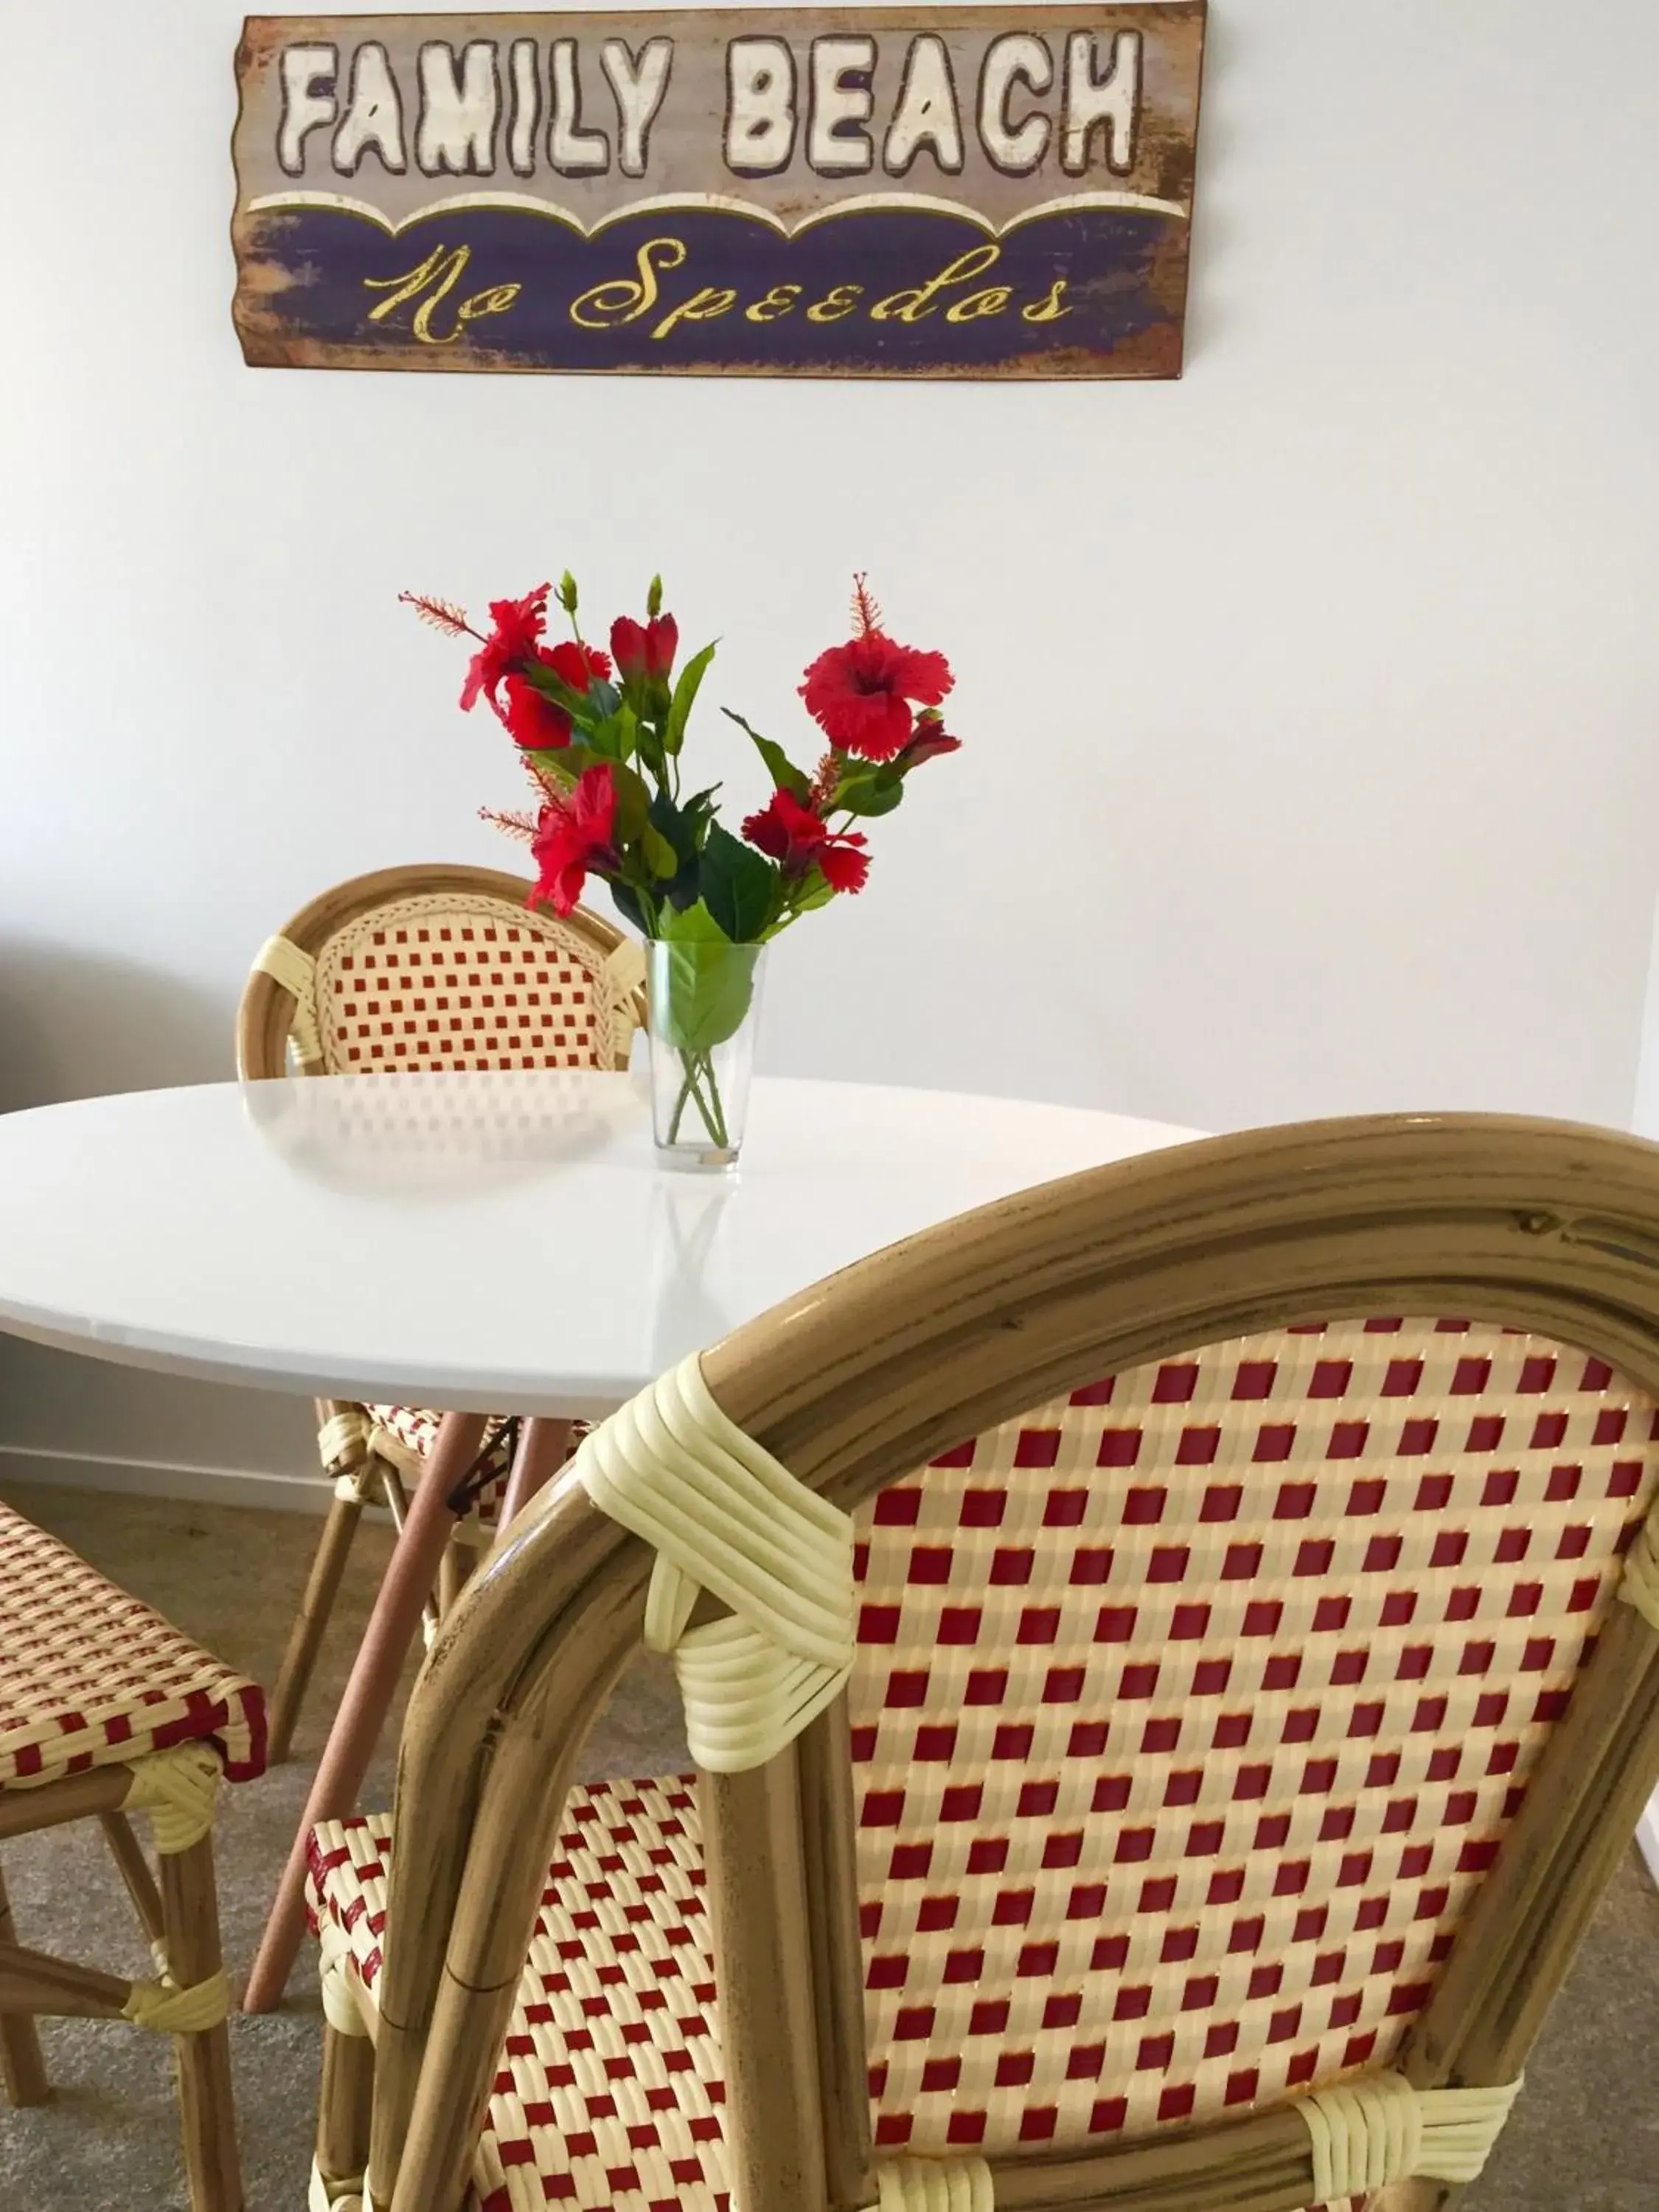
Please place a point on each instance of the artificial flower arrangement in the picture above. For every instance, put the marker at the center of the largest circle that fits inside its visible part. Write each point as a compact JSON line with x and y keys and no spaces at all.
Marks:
{"x":602,"y":736}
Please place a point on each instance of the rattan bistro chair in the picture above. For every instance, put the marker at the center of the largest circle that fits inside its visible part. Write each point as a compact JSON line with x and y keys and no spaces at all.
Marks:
{"x":1244,"y":1706}
{"x":413,"y":970}
{"x":105,"y":1709}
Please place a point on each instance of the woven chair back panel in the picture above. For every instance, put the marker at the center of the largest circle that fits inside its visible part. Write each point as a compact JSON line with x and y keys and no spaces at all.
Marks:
{"x":1190,"y":1712}
{"x":89,"y":1677}
{"x":445,"y":981}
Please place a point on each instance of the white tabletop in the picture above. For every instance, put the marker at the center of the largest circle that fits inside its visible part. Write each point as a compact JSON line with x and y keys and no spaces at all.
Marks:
{"x":500,"y":1242}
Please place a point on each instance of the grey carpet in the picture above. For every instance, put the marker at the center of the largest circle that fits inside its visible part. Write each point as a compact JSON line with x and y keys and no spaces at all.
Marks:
{"x":1584,"y":2137}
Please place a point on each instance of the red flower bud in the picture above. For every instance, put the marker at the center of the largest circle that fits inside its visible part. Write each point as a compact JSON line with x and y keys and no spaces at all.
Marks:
{"x":645,"y":651}
{"x":932,"y":738}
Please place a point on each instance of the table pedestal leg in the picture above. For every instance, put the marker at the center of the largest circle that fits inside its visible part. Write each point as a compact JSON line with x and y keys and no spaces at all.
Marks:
{"x":542,"y":1448}
{"x":380,"y":1662}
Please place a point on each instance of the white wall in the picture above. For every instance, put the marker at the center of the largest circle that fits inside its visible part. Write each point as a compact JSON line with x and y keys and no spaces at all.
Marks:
{"x":1310,"y":700}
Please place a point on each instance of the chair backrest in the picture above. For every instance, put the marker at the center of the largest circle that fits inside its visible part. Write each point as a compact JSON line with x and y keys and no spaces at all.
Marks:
{"x":1192,"y":1707}
{"x":418,"y":970}
{"x":1244,"y":1698}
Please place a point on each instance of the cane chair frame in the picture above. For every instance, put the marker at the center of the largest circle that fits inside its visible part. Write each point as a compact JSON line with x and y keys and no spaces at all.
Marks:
{"x":364,"y":1475}
{"x":178,"y":1910}
{"x":1528,"y":1225}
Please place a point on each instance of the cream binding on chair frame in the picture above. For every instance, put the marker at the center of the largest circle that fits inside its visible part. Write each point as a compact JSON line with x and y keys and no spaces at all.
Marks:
{"x":723,"y":1515}
{"x":414,"y":947}
{"x":902,"y":1355}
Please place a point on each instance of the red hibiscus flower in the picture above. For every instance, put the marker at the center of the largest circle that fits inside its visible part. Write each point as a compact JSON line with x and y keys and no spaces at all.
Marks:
{"x":862,"y":693}
{"x":519,"y":624}
{"x":793,"y":834}
{"x":573,"y":835}
{"x":645,"y":651}
{"x":537,"y":722}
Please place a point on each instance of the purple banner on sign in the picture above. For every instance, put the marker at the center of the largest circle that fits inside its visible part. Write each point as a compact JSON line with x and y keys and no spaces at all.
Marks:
{"x":869,"y":292}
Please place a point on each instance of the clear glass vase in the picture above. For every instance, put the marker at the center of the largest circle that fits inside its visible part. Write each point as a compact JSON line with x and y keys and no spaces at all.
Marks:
{"x":703,"y":1004}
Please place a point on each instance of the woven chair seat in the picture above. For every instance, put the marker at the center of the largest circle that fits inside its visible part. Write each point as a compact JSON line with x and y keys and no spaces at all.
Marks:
{"x":406,"y":1434}
{"x":89,"y":1677}
{"x":608,"y":2097}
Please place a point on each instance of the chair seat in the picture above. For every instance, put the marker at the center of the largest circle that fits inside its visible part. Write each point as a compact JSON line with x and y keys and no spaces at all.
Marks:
{"x":89,"y":1677}
{"x":609,"y":2098}
{"x":406,"y":1434}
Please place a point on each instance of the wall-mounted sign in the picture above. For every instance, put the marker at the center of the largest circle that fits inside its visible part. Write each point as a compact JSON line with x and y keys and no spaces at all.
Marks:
{"x":972,"y":191}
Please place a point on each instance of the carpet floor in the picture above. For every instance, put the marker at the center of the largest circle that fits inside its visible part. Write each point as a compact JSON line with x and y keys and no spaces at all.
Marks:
{"x":1584,"y":2136}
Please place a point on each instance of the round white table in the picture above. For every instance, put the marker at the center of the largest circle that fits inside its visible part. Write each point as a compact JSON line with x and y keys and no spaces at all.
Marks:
{"x":499,"y":1242}
{"x":504,"y":1242}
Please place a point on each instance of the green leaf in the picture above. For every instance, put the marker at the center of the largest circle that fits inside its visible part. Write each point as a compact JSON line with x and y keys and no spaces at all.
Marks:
{"x":648,"y":747}
{"x":604,"y":699}
{"x":779,"y":766}
{"x":659,"y":855}
{"x":633,"y":804}
{"x":696,"y":926}
{"x":685,"y":693}
{"x":678,"y":824}
{"x":705,"y":985}
{"x":684,"y":827}
{"x":553,"y":766}
{"x":626,"y":900}
{"x":871,"y":791}
{"x":614,"y":737}
{"x":739,"y":886}
{"x":552,"y":686}
{"x":814,"y":891}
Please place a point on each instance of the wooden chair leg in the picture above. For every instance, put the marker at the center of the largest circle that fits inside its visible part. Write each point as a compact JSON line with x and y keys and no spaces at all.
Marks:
{"x":190,"y":1911}
{"x":128,"y":1854}
{"x":458,"y":1561}
{"x":542,"y":1451}
{"x":344,"y":2109}
{"x":21,"y":2068}
{"x":322,"y":1588}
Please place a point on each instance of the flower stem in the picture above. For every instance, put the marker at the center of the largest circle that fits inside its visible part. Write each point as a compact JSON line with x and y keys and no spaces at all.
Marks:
{"x":717,"y":1123}
{"x":708,"y":1107}
{"x":679,"y":1104}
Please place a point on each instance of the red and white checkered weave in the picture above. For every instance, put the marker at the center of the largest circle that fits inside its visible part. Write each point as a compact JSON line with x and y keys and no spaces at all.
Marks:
{"x":89,"y":1677}
{"x":609,"y":2096}
{"x":1189,"y":1712}
{"x":444,"y":980}
{"x":407,"y":1434}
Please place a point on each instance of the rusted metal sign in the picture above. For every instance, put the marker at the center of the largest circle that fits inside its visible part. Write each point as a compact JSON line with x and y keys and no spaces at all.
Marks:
{"x":973,"y":192}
